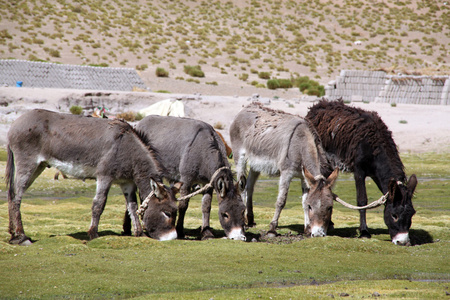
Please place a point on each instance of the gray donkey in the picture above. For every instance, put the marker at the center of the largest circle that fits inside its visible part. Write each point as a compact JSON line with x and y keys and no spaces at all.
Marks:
{"x":193,"y":154}
{"x":277,"y":143}
{"x":84,"y":147}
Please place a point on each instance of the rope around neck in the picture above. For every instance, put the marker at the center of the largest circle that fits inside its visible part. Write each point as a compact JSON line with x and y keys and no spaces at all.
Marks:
{"x":206,"y":187}
{"x":374,"y":204}
{"x":144,"y":204}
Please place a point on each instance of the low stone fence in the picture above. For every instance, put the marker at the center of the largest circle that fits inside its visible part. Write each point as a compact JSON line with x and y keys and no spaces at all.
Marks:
{"x":51,"y":75}
{"x":377,"y":86}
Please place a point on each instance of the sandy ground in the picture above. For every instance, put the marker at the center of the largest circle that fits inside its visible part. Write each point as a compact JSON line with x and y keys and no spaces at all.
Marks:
{"x":416,"y":128}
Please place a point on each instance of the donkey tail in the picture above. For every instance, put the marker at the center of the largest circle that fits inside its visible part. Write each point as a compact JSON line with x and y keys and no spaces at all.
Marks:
{"x":9,"y":176}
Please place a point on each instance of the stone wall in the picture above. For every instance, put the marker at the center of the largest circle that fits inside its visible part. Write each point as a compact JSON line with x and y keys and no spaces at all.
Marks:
{"x":377,"y":86}
{"x":51,"y":75}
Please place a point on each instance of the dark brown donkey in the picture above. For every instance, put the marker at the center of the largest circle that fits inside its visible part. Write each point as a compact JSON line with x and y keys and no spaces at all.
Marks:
{"x":193,"y":154}
{"x":84,"y":147}
{"x":358,"y":141}
{"x":277,"y":143}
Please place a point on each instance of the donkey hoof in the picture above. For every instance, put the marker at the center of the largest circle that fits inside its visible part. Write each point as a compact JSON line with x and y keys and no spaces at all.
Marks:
{"x":272,"y":234}
{"x":365,"y":234}
{"x":21,"y":240}
{"x":92,"y":235}
{"x":207,"y":234}
{"x":250,"y":225}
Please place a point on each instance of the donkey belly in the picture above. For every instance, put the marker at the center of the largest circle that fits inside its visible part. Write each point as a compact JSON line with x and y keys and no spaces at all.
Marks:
{"x":263,"y":164}
{"x":74,"y":169}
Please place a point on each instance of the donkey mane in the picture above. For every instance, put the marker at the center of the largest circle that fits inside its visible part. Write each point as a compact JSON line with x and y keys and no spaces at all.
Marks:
{"x":353,"y":125}
{"x":325,"y":167}
{"x":146,"y":143}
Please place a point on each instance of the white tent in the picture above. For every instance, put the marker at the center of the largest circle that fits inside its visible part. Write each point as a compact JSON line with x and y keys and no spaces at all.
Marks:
{"x":168,"y":107}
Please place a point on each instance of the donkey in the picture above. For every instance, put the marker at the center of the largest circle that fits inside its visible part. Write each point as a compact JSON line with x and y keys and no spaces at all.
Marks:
{"x":84,"y":147}
{"x":275,"y":142}
{"x":358,"y":141}
{"x":193,"y":154}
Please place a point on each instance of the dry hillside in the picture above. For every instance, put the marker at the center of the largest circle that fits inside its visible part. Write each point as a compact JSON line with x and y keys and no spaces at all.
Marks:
{"x":232,"y":41}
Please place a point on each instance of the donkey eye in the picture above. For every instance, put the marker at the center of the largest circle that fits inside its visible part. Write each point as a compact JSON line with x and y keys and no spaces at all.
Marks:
{"x":167,"y":214}
{"x":395,"y":217}
{"x":225,"y":216}
{"x":309,"y":207}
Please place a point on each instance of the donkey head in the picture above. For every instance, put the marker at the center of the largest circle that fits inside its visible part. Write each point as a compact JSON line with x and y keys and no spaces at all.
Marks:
{"x":159,"y":218}
{"x":231,"y":206}
{"x":318,"y":203}
{"x":399,"y":210}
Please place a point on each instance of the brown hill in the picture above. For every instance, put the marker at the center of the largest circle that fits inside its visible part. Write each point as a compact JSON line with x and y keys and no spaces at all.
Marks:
{"x":232,"y":41}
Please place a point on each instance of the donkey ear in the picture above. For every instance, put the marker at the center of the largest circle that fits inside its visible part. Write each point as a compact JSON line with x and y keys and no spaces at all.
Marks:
{"x":241,"y":184}
{"x":412,"y":183}
{"x":156,"y":188}
{"x":221,"y":187}
{"x":393,"y":191}
{"x":176,"y":187}
{"x":310,"y":181}
{"x":332,"y":178}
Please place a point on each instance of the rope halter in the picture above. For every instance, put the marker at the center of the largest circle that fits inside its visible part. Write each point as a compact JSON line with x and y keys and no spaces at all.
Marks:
{"x":207,"y":186}
{"x":144,"y":204}
{"x":374,"y":204}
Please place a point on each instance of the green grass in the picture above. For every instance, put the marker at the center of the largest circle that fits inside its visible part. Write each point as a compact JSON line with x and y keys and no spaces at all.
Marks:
{"x":62,"y":263}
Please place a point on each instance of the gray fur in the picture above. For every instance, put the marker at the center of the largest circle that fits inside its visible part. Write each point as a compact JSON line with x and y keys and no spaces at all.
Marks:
{"x":277,"y":143}
{"x":83,"y":147}
{"x":195,"y":151}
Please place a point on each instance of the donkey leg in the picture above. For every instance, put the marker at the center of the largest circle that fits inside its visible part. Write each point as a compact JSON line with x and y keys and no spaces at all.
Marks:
{"x":251,"y":181}
{"x":24,"y":176}
{"x":98,"y":205}
{"x":182,"y":207}
{"x":305,"y":191}
{"x":283,"y":189}
{"x":129,"y":191}
{"x":206,"y":212}
{"x":361,"y":198}
{"x":16,"y":230}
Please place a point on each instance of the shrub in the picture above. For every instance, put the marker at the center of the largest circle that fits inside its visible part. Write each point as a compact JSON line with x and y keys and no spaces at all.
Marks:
{"x":161,"y":72}
{"x":285,"y":83}
{"x":243,"y":76}
{"x":139,"y":116}
{"x":142,"y":67}
{"x":264,"y":75}
{"x":128,"y":116}
{"x":304,"y":86}
{"x":219,"y":125}
{"x":76,"y":110}
{"x":273,"y":84}
{"x":194,"y":71}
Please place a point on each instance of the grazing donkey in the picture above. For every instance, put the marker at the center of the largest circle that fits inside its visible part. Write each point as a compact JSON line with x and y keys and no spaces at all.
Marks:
{"x":358,"y":141}
{"x":193,"y":154}
{"x":275,"y":142}
{"x":84,"y":147}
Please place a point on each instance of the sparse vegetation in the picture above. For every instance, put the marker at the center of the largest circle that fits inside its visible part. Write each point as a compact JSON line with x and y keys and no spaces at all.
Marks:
{"x":76,"y":110}
{"x":161,"y":72}
{"x":219,"y":125}
{"x":246,"y":37}
{"x":194,"y":71}
{"x":128,"y":116}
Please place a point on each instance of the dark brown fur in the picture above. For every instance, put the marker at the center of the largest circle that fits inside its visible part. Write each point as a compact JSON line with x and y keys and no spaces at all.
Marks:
{"x":358,"y":141}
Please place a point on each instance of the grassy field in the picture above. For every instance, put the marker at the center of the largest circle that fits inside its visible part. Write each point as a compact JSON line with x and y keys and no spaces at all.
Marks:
{"x":63,"y":263}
